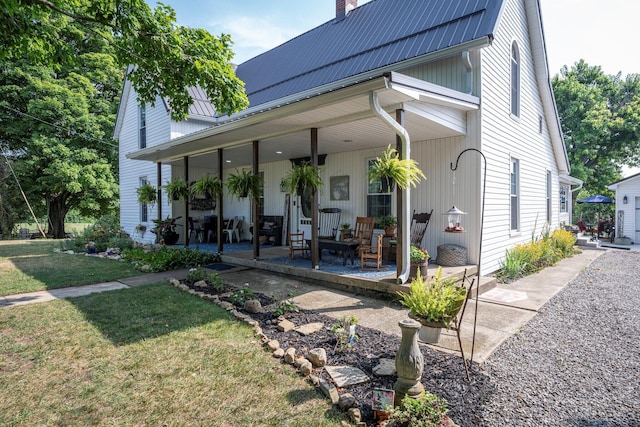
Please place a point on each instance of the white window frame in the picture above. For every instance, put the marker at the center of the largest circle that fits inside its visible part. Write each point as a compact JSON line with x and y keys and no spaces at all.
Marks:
{"x":515,"y":63}
{"x":514,"y":195}
{"x":142,"y":134}
{"x":564,"y":190}
{"x":371,"y":192}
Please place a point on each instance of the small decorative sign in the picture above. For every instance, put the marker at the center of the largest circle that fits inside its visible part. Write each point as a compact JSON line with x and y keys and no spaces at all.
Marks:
{"x":382,"y":399}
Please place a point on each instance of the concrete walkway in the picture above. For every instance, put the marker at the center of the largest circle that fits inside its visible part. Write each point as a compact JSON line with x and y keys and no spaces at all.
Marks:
{"x":501,"y":312}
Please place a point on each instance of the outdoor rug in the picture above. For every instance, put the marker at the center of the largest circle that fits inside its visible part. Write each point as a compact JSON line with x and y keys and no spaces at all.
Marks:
{"x":333,"y":264}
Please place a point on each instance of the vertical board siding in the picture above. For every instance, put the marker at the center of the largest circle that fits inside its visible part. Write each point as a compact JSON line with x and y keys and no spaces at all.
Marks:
{"x":631,"y":189}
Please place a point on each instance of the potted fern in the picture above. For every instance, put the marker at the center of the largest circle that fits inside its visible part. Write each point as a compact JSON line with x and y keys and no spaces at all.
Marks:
{"x":391,"y":171}
{"x":389,"y":223}
{"x":177,"y":189}
{"x":245,"y":184}
{"x":434,"y":303}
{"x":302,"y":178}
{"x":147,"y":194}
{"x":208,"y":186}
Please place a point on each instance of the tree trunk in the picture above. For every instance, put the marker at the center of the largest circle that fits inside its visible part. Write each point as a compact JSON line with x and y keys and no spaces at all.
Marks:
{"x":57,"y":213}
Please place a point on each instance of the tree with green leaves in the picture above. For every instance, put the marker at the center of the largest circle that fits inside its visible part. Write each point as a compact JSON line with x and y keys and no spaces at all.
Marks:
{"x":166,"y":58}
{"x":600,"y":118}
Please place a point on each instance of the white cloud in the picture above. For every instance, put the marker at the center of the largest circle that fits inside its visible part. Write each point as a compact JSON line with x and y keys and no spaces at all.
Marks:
{"x":253,"y":35}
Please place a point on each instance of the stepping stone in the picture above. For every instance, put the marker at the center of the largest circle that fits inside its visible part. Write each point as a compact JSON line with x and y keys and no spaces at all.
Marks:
{"x":504,"y":295}
{"x":386,"y":368}
{"x":285,"y":326}
{"x":345,"y":376}
{"x":309,"y":328}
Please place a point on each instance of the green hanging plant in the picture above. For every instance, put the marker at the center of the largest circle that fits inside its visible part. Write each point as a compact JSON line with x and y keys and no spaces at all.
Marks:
{"x":177,"y":189}
{"x":390,"y":169}
{"x":207,"y":186}
{"x":302,"y":178}
{"x":245,"y":184}
{"x":147,"y":194}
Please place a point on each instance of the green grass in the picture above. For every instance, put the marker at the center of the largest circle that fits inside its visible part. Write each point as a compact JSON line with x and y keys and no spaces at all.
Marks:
{"x":150,"y":355}
{"x":31,"y":265}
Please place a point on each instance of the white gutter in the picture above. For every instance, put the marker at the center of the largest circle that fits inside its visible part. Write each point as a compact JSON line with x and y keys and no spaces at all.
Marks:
{"x":403,"y":277}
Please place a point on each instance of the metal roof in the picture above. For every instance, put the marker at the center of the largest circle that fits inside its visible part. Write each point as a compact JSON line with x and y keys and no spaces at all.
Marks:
{"x":375,"y":35}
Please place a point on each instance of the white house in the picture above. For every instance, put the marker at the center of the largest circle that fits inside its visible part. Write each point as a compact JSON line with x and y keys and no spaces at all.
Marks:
{"x":627,"y":209}
{"x":433,"y":76}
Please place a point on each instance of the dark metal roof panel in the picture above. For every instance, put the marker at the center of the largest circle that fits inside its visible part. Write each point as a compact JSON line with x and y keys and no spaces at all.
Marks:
{"x":201,"y":105}
{"x":374,"y":35}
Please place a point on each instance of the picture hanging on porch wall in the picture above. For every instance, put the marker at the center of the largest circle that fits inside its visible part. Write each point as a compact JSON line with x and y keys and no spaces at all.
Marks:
{"x":339,"y":187}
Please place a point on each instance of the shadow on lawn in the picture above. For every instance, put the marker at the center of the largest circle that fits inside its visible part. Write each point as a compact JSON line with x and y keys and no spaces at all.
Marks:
{"x":130,"y":315}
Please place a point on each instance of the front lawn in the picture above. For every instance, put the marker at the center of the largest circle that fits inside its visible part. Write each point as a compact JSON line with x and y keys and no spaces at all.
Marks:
{"x":150,"y":355}
{"x":31,"y":265}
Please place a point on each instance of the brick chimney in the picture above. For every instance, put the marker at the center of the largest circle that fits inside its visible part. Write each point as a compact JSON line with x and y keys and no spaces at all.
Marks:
{"x":345,"y":6}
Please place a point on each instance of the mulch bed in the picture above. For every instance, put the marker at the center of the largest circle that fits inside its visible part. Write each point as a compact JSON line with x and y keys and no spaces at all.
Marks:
{"x":444,"y":374}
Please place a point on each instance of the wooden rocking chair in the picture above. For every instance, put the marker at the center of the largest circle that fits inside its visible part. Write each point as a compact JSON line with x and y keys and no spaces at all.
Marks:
{"x":371,"y":254}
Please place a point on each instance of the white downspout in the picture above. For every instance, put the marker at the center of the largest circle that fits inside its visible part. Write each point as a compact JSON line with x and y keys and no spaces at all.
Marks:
{"x":403,"y":277}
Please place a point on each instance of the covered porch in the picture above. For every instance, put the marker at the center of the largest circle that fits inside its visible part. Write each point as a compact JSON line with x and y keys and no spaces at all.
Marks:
{"x":325,"y":125}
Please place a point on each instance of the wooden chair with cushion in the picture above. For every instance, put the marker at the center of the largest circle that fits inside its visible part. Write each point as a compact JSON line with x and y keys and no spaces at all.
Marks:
{"x":297,"y":243}
{"x":371,"y":254}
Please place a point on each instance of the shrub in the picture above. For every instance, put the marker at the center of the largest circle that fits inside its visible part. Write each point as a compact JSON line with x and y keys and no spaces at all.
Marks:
{"x":163,"y":258}
{"x":426,"y":411}
{"x":197,"y":274}
{"x":242,"y":295}
{"x":285,"y":306}
{"x":564,"y":241}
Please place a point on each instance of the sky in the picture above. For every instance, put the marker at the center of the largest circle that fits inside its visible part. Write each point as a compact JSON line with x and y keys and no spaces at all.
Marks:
{"x":598,"y":31}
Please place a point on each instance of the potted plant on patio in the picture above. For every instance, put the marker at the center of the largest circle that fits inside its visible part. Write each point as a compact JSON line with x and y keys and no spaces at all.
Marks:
{"x":392,"y":170}
{"x":419,"y":261}
{"x":147,"y":194}
{"x":177,"y":189}
{"x":165,"y":229}
{"x":244,"y":184}
{"x":434,"y":303}
{"x":208,"y":186}
{"x":302,"y":178}
{"x":389,"y":223}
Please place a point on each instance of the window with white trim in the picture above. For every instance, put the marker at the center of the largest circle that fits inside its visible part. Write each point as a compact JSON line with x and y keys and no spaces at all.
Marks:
{"x":549,"y":196}
{"x":564,"y":190}
{"x":144,"y":208}
{"x":515,"y":195}
{"x":515,"y":80}
{"x":142,"y":140}
{"x":378,"y":203}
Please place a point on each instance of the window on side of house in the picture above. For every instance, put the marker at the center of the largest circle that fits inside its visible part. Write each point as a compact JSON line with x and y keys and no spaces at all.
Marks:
{"x":515,"y":80}
{"x":144,"y":209}
{"x":564,"y":189}
{"x":515,"y":195}
{"x":142,"y":140}
{"x":548,"y":196}
{"x":378,"y":204}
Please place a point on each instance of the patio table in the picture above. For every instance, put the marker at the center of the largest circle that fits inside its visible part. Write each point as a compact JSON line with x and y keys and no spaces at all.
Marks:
{"x":348,"y":248}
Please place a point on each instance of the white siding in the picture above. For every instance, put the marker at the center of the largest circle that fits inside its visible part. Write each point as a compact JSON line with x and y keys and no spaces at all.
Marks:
{"x":631,"y":189}
{"x":131,"y":170}
{"x":504,"y":137}
{"x":188,"y":126}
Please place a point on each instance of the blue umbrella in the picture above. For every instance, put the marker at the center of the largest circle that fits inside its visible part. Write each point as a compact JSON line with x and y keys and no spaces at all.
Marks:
{"x":596,"y":198}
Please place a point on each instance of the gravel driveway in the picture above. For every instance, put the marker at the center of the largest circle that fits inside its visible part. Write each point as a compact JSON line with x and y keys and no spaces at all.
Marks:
{"x":577,"y":363}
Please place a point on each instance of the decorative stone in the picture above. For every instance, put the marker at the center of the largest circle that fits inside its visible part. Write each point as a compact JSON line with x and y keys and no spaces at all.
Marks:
{"x":409,"y":362}
{"x":174,"y":281}
{"x":285,"y":326}
{"x":201,"y":284}
{"x":347,"y":401}
{"x":318,"y":356}
{"x":273,"y":345}
{"x":226,"y":305}
{"x":314,"y":380}
{"x":330,"y":391}
{"x":290,"y":355}
{"x":253,"y":306}
{"x":355,"y":415}
{"x":306,"y":368}
{"x":278,"y":353}
{"x":298,"y":361}
{"x":309,"y":328}
{"x":345,"y":376}
{"x":386,"y":368}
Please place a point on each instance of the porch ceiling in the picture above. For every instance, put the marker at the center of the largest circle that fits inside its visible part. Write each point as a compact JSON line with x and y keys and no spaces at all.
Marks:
{"x":343,"y":117}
